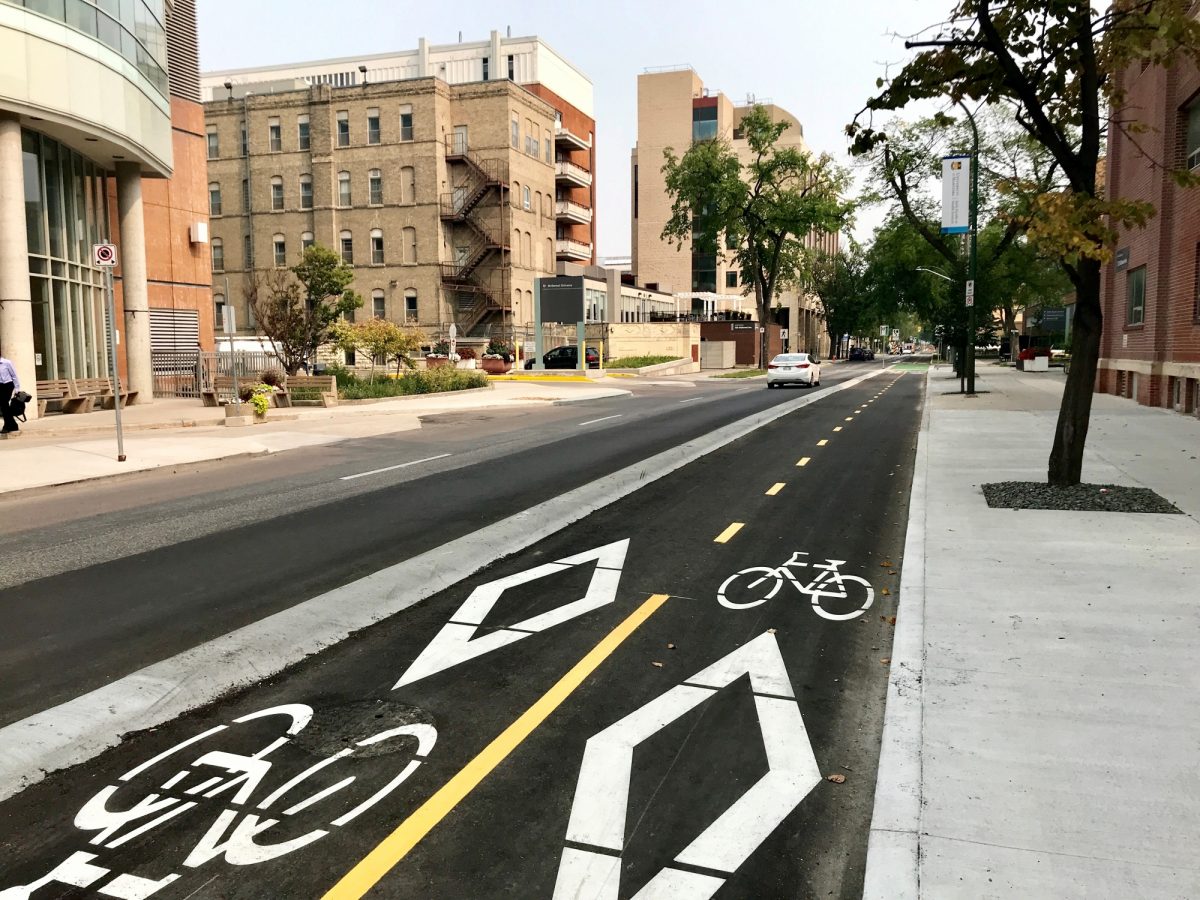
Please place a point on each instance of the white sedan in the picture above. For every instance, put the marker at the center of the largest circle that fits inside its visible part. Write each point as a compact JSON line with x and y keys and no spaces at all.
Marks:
{"x":793,"y":368}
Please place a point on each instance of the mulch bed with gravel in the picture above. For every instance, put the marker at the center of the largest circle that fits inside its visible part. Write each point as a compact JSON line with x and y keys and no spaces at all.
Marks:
{"x":1076,"y":498}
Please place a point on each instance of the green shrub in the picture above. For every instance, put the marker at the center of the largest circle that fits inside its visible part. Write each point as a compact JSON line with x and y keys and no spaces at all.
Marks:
{"x":343,"y":375}
{"x":637,"y":362}
{"x":418,"y":381}
{"x":273,"y":377}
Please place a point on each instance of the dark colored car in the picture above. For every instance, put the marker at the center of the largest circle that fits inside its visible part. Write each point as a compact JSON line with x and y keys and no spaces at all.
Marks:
{"x":567,"y":357}
{"x":857,"y":354}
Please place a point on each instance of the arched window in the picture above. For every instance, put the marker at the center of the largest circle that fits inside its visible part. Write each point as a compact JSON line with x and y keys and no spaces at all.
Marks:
{"x":218,"y":312}
{"x":526,"y":201}
{"x":306,"y":241}
{"x":411,"y":311}
{"x":276,"y":192}
{"x":527,"y":252}
{"x":214,"y":198}
{"x":375,"y":187}
{"x":378,"y":304}
{"x":343,"y":188}
{"x":547,"y":209}
{"x":515,"y":249}
{"x":279,"y":243}
{"x":408,"y":185}
{"x":306,"y":194}
{"x":410,"y":246}
{"x":346,"y":239}
{"x":218,"y":255}
{"x":376,"y":247}
{"x":549,"y":267}
{"x":538,"y":203}
{"x":516,"y":193}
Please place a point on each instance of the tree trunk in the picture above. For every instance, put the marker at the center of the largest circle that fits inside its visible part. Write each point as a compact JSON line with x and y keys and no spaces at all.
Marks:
{"x":1066,"y":456}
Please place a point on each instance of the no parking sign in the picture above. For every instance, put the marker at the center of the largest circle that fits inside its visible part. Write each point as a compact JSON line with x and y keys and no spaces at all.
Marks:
{"x":104,"y":256}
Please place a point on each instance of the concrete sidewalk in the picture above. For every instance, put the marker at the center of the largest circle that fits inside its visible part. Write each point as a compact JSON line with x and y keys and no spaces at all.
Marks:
{"x":1042,"y":734}
{"x":62,"y":449}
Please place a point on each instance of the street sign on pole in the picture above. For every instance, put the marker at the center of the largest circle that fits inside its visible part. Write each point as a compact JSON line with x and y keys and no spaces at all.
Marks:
{"x":883,"y":331}
{"x":104,"y":256}
{"x":970,"y":293}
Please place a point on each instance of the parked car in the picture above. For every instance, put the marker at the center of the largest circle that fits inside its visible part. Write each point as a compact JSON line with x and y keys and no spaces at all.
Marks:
{"x":567,"y":357}
{"x":793,"y":368}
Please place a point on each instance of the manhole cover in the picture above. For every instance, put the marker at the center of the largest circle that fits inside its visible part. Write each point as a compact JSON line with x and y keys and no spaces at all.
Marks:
{"x":337,"y":727}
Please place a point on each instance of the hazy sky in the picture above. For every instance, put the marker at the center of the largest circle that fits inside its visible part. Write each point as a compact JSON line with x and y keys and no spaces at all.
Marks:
{"x":817,"y":58}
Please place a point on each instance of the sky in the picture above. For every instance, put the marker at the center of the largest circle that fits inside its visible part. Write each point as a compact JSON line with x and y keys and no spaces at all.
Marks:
{"x":818,"y":60}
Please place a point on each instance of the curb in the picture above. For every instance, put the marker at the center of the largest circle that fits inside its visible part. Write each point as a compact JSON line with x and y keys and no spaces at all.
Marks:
{"x":893,"y":846}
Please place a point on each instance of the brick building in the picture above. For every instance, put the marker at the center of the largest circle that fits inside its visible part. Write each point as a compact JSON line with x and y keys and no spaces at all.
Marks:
{"x":1150,"y":348}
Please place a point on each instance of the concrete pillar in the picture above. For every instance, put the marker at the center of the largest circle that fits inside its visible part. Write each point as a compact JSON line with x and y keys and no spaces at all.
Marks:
{"x":16,"y":308}
{"x":136,"y":336}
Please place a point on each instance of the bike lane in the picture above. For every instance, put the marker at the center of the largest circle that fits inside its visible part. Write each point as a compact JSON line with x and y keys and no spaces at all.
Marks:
{"x":677,"y":756}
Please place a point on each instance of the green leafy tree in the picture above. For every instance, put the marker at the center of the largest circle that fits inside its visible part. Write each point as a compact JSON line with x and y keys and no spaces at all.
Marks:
{"x":1055,"y":65}
{"x":297,"y":309}
{"x":759,"y":212}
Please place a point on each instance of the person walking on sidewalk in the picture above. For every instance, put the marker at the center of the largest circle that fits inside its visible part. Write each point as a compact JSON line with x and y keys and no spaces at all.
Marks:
{"x":9,"y":384}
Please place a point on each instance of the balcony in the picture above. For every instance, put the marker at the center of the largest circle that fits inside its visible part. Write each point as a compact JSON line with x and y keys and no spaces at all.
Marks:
{"x":565,"y":248}
{"x":569,"y":211}
{"x":564,"y":137}
{"x":566,"y":172}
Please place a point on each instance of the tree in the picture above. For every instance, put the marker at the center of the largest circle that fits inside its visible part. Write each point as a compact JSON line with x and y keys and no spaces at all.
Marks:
{"x":757,"y":213}
{"x":297,"y":308}
{"x":380,"y":339}
{"x":1055,"y":66}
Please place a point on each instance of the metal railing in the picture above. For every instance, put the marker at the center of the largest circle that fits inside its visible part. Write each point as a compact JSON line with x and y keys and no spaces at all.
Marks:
{"x":567,"y":169}
{"x":569,"y":209}
{"x":568,"y":247}
{"x":185,"y":373}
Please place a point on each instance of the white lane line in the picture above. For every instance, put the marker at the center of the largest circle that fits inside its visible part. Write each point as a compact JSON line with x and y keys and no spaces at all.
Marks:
{"x":690,"y":399}
{"x":602,"y":419}
{"x":393,"y":468}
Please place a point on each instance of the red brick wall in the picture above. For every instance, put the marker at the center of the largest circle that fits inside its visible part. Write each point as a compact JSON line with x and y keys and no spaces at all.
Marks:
{"x":577,"y":123}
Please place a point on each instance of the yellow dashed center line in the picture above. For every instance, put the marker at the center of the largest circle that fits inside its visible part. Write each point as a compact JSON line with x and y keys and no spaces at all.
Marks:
{"x":822,"y":442}
{"x":804,"y":461}
{"x":837,"y":428}
{"x":724,"y":536}
{"x":849,"y":418}
{"x":775,"y":488}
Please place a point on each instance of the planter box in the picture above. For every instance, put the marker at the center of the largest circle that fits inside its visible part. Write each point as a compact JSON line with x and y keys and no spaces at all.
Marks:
{"x":239,"y":414}
{"x":465,"y":364}
{"x":495,"y":366}
{"x":1037,"y":364}
{"x":433,"y":362}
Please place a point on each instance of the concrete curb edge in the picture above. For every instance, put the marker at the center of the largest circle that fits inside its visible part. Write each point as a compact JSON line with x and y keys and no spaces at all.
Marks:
{"x":893,"y":847}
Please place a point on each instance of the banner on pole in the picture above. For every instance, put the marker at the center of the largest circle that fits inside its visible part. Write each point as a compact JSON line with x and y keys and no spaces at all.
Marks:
{"x":956,"y":194}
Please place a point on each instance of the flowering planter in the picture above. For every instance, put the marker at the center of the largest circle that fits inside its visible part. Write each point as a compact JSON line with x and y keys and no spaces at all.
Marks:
{"x":496,"y":365}
{"x":433,"y":362}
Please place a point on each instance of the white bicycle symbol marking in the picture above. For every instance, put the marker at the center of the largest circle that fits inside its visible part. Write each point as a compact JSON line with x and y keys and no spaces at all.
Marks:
{"x":830,"y":584}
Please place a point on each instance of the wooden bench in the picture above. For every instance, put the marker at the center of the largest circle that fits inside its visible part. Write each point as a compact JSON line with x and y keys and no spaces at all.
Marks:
{"x":311,"y":390}
{"x":61,"y":392}
{"x":220,"y":388}
{"x":102,"y":389}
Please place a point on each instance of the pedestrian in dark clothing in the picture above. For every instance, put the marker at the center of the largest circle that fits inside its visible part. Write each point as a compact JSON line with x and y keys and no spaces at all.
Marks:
{"x":9,"y":384}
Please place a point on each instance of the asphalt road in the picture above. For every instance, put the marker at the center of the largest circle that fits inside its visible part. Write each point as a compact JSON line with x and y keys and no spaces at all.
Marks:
{"x":595,"y":727}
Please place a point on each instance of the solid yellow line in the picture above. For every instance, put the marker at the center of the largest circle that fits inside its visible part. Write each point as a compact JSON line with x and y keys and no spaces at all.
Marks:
{"x":822,"y":442}
{"x":366,"y":874}
{"x":837,"y":428}
{"x":775,"y":488}
{"x":724,"y":536}
{"x":804,"y":461}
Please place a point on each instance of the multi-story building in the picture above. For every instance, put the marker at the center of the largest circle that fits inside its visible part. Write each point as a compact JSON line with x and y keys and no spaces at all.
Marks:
{"x":450,"y":177}
{"x":99,"y":106}
{"x":674,"y":110}
{"x":1150,"y":345}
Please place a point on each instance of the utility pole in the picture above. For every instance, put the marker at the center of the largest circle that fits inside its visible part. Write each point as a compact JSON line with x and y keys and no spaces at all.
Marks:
{"x":971,"y":253}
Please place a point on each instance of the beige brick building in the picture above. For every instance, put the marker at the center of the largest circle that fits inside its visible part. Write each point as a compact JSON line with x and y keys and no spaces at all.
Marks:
{"x":675,"y":109}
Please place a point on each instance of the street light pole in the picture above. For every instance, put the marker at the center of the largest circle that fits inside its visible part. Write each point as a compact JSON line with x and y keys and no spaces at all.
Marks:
{"x":974,"y":233}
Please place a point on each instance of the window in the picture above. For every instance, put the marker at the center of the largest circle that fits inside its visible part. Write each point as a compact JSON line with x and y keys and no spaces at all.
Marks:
{"x":375,"y":185}
{"x":378,"y":304}
{"x":218,"y":255}
{"x":245,"y":141}
{"x":408,"y":185}
{"x":343,"y":188}
{"x":516,"y":193}
{"x":406,"y":123}
{"x":1193,"y":136}
{"x":704,"y":122}
{"x":372,"y":126}
{"x":274,"y":135}
{"x":512,"y":68}
{"x":303,"y":136}
{"x":515,"y":127}
{"x":527,"y":249}
{"x":248,"y":250}
{"x":731,"y":279}
{"x":276,"y":192}
{"x":1135,"y":296}
{"x":526,"y":198}
{"x":219,"y":312}
{"x":343,"y":128}
{"x":530,"y":139}
{"x":279,"y":244}
{"x":410,"y":246}
{"x":547,"y":143}
{"x":410,"y":305}
{"x":485,"y":68}
{"x":635,"y":191}
{"x":214,"y":199}
{"x":214,"y":143}
{"x":376,"y":247}
{"x":346,"y":240}
{"x":516,"y":247}
{"x":245,"y":195}
{"x":549,"y":267}
{"x":306,"y":194}
{"x":306,"y":241}
{"x":537,"y":206}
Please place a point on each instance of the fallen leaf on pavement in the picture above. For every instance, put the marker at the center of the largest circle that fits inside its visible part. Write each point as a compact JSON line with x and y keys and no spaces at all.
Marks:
{"x":886,"y":660}
{"x":886,"y":565}
{"x":885,"y":592}
{"x":891,"y":620}
{"x":836,"y":778}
